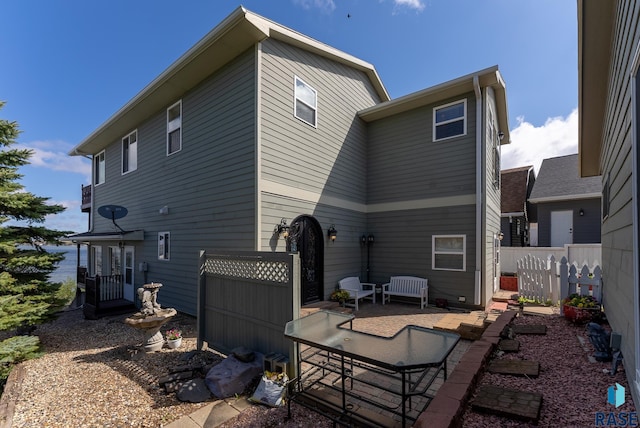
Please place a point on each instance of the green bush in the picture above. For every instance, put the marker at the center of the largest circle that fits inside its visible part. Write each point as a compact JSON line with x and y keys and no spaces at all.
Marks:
{"x":14,"y":350}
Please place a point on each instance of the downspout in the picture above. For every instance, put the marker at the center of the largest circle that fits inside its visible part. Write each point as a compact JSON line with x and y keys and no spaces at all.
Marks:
{"x":479,"y":238}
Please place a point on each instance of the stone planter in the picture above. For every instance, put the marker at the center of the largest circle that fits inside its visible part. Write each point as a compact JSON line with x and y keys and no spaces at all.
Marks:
{"x":174,"y":343}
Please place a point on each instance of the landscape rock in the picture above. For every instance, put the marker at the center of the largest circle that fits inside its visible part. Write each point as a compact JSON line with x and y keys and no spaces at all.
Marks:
{"x":194,"y":391}
{"x":232,"y":376}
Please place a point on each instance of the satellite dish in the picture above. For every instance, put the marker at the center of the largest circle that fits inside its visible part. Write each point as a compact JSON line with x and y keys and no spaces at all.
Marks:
{"x":113,"y":212}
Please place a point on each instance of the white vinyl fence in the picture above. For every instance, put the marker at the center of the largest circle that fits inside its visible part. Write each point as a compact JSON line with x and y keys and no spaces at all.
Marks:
{"x":548,"y":281}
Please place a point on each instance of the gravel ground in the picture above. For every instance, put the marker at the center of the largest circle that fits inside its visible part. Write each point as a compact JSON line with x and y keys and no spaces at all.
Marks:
{"x":90,"y":378}
{"x":573,"y":389}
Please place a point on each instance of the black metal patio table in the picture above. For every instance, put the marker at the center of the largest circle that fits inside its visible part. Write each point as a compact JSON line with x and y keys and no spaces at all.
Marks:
{"x":404,"y":365}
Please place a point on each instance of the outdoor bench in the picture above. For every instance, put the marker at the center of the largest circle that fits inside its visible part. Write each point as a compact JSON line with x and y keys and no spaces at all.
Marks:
{"x":406,"y":286}
{"x":357,"y":290}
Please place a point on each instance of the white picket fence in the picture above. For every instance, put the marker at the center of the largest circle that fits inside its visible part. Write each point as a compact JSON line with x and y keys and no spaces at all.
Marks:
{"x":587,"y":254}
{"x":548,"y":281}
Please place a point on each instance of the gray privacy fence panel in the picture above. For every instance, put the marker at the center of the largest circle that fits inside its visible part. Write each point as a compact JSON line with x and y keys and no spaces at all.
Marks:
{"x":246,"y":299}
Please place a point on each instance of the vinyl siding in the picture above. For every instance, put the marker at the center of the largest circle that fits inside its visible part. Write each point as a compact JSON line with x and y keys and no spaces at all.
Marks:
{"x":492,"y":194}
{"x":586,"y":229}
{"x":403,"y":247}
{"x":405,"y":164}
{"x":329,"y":158}
{"x":327,"y":161}
{"x":343,"y":257}
{"x":209,"y":186}
{"x":616,"y":160}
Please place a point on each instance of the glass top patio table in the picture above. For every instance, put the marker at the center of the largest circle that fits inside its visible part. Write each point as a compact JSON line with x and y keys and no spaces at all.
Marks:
{"x":411,"y":348}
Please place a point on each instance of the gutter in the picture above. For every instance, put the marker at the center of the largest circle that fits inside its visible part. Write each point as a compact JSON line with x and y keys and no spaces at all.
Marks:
{"x":479,"y":183}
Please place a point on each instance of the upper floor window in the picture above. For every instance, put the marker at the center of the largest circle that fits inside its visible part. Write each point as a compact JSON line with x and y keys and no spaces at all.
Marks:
{"x":163,"y":245}
{"x":450,"y":120}
{"x":130,"y":152}
{"x":448,"y":252}
{"x":494,"y":141}
{"x":174,"y":128}
{"x":99,"y":168}
{"x":306,"y":102}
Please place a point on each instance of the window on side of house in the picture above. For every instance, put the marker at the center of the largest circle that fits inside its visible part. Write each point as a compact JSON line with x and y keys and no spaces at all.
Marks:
{"x":306,"y":102}
{"x":115,"y":260}
{"x":450,"y":120}
{"x":494,"y":140}
{"x":448,"y":252}
{"x":164,"y":246}
{"x":605,"y":198}
{"x":96,"y":256}
{"x":174,"y":128}
{"x":130,"y":152}
{"x":99,"y":168}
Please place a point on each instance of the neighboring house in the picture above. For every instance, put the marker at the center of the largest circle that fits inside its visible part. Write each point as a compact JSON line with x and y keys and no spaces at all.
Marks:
{"x":517,"y":213}
{"x":609,"y":120}
{"x":262,"y":139}
{"x":568,"y":206}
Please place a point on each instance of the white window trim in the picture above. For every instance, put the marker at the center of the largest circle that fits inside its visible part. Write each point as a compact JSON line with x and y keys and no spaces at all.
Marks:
{"x":96,"y":162}
{"x":464,"y":252}
{"x":134,"y":167}
{"x":173,"y":125}
{"x":464,"y":120}
{"x":296,"y":100}
{"x":164,"y":250}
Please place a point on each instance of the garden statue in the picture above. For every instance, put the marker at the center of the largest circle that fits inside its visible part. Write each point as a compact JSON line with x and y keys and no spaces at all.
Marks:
{"x":148,"y":295}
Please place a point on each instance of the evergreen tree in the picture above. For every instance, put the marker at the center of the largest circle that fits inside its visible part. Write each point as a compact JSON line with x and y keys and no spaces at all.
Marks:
{"x":26,"y":295}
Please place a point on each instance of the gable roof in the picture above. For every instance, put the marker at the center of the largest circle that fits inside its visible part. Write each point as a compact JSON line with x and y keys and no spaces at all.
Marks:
{"x":234,"y":35}
{"x":514,"y":184}
{"x":559,"y":180}
{"x":487,"y":77}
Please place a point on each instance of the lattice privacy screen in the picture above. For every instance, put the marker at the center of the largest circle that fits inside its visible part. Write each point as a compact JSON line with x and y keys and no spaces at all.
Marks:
{"x":260,"y":270}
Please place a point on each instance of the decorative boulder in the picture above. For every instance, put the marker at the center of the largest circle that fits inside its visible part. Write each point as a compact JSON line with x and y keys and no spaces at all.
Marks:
{"x":233,"y":376}
{"x":193,"y":391}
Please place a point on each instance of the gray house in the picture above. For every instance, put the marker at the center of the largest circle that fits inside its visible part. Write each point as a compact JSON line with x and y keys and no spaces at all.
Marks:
{"x":516,"y":210}
{"x":609,"y":102}
{"x":568,"y":206}
{"x":262,"y":139}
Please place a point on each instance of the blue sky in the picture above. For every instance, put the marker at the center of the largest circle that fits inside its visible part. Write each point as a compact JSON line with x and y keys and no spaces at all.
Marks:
{"x":68,"y":65}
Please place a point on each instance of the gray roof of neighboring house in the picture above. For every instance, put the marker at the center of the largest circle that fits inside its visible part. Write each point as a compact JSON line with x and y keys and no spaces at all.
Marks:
{"x":559,"y":180}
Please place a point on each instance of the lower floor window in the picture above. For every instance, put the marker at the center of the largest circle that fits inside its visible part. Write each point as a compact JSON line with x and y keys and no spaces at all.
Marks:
{"x":448,"y":252}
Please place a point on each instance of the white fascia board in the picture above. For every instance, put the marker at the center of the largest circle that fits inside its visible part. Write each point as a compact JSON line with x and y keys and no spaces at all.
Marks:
{"x":566,"y":198}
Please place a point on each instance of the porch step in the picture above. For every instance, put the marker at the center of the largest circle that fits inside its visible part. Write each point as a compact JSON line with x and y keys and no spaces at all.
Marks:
{"x":504,"y":296}
{"x":468,"y":326}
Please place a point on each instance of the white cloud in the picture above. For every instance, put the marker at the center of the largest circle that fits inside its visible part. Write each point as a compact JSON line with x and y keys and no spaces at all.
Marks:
{"x":530,"y":144}
{"x":326,"y":6}
{"x":411,"y":4}
{"x":53,"y":155}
